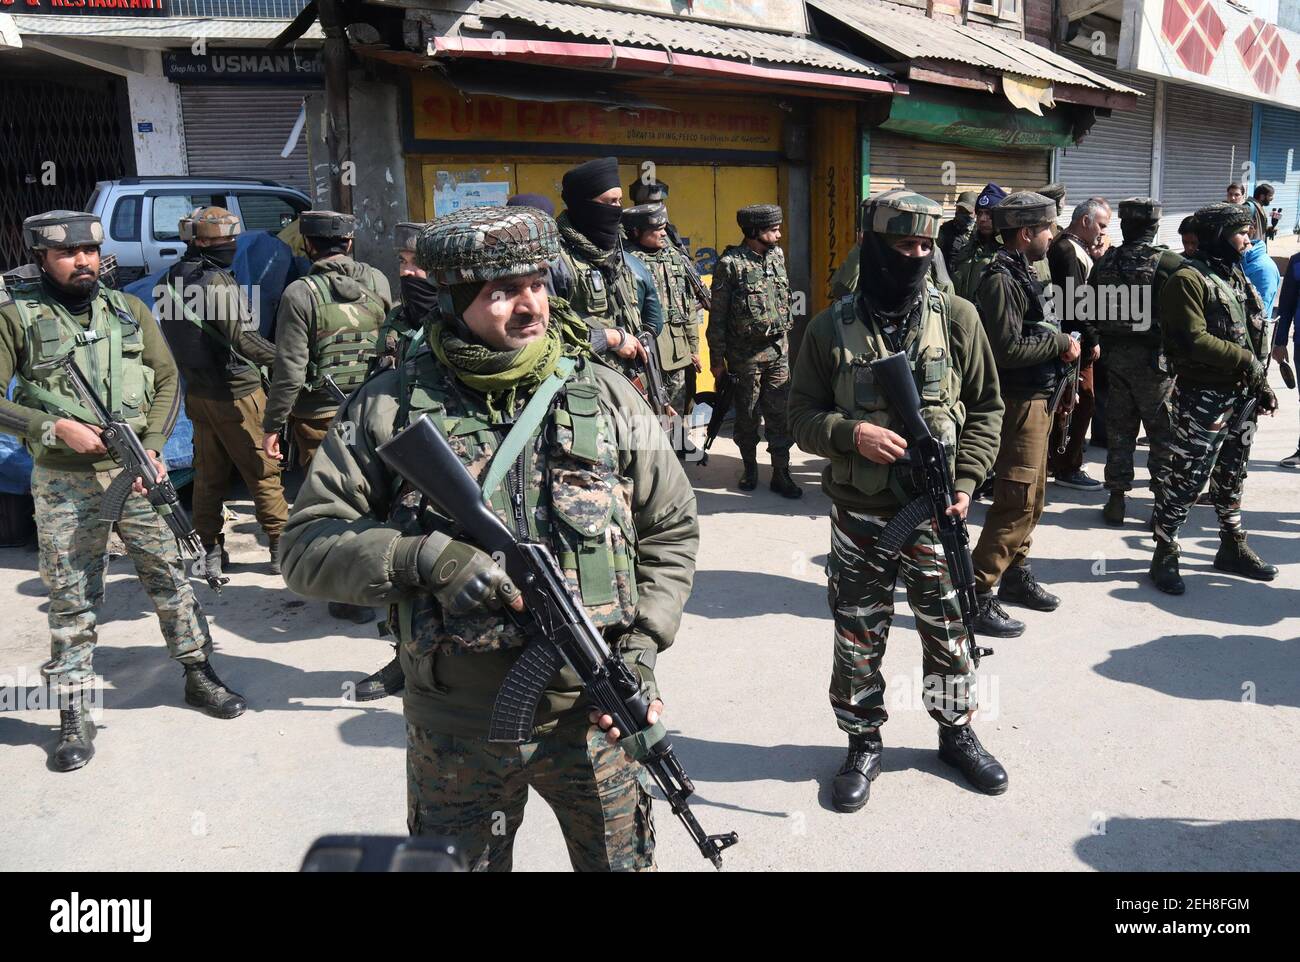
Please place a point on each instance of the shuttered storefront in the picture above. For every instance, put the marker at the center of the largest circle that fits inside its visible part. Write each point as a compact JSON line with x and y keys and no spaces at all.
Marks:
{"x":942,"y":171}
{"x":1279,"y":163}
{"x":1207,"y":139}
{"x":240,"y":132}
{"x":1114,"y":159}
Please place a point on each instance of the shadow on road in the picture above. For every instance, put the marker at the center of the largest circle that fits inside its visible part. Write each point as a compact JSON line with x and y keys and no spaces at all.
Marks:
{"x":1209,"y":667}
{"x":749,"y":594}
{"x":1193,"y":845}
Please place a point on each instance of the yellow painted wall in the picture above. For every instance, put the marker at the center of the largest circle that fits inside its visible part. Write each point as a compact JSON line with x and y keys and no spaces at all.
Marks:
{"x":834,"y":196}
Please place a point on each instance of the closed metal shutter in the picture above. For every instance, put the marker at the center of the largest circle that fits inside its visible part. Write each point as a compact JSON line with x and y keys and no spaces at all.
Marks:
{"x":1114,"y":160}
{"x":925,"y":167}
{"x":1279,"y":163}
{"x":1207,"y":139}
{"x":240,"y":131}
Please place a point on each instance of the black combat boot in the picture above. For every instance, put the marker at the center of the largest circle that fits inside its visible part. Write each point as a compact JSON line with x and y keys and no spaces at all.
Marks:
{"x":1113,"y":513}
{"x":273,"y":543}
{"x":993,"y":620}
{"x":852,"y":785}
{"x":1164,"y":568}
{"x":76,"y":735}
{"x":1238,"y":558}
{"x":214,"y":559}
{"x":960,"y":748}
{"x":1020,"y":586}
{"x":203,"y":689}
{"x":749,"y":473}
{"x":782,"y":483}
{"x":388,"y":680}
{"x":357,"y":614}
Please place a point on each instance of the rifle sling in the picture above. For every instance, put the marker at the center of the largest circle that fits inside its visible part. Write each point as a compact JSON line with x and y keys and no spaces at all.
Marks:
{"x":524,"y":428}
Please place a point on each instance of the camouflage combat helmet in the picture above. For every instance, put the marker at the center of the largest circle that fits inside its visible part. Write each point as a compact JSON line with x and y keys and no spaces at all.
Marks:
{"x":1024,"y":208}
{"x":903,"y":213}
{"x":645,"y":217}
{"x":406,"y":234}
{"x":62,"y":228}
{"x":476,"y":244}
{"x":756,"y":218}
{"x":326,"y":223}
{"x":1139,"y":208}
{"x":215,"y":223}
{"x":185,"y":226}
{"x":1226,"y":218}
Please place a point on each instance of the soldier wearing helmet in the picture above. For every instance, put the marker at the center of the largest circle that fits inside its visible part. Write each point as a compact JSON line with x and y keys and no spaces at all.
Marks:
{"x":589,"y":448}
{"x":117,"y":344}
{"x":213,"y":332}
{"x":837,"y":412}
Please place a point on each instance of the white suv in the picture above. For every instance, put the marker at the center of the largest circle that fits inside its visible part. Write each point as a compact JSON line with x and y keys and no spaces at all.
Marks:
{"x":141,"y":214}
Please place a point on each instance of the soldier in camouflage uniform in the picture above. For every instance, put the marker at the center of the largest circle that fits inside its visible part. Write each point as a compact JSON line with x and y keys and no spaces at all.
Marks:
{"x":419,"y":297}
{"x":609,"y":288}
{"x":1127,"y":283}
{"x":590,"y":481}
{"x":212,"y":331}
{"x":975,"y":257}
{"x":1213,"y":330}
{"x":679,"y":341}
{"x":749,"y":321}
{"x":118,"y":346}
{"x":328,"y":324}
{"x":837,"y":412}
{"x":956,"y":235}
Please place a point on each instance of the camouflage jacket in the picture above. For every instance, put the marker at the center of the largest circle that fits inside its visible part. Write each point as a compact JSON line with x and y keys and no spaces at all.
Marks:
{"x":631,"y":495}
{"x":293,"y":342}
{"x":680,"y":337}
{"x":749,"y":317}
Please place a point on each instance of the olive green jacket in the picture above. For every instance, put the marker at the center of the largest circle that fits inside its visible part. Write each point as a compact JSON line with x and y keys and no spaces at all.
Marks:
{"x":26,"y":422}
{"x":338,"y":546}
{"x":1198,"y":358}
{"x":820,"y":427}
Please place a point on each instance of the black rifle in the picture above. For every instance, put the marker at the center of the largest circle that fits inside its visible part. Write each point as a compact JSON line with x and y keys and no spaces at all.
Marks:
{"x":560,"y":630}
{"x":127,"y":451}
{"x":1065,"y":403}
{"x":928,"y":458}
{"x":651,"y":382}
{"x":701,"y":292}
{"x":724,"y":388}
{"x":335,"y":391}
{"x":1252,"y":403}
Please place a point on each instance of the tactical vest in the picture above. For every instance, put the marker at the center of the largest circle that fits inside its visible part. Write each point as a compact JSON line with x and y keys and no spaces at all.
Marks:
{"x":669,"y":269}
{"x":928,"y":346}
{"x":760,"y":305}
{"x":194,"y":342}
{"x":1040,"y":318}
{"x":564,"y":490}
{"x":343,"y":334}
{"x":593,"y":297}
{"x":109,"y":352}
{"x":1116,"y":280}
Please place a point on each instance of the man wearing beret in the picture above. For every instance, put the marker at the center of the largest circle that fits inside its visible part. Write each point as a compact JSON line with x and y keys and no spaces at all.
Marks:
{"x":969,"y":267}
{"x":1030,"y":350}
{"x":1213,"y":330}
{"x":117,"y":344}
{"x":749,"y":320}
{"x":328,"y":324}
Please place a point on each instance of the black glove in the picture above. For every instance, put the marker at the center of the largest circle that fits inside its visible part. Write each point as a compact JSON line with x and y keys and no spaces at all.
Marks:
{"x":1255,"y":374}
{"x":1267,"y":399}
{"x":458,"y":574}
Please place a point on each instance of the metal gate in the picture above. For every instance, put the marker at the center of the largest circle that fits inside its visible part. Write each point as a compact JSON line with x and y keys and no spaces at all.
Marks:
{"x":56,"y":141}
{"x":239,"y":131}
{"x":1207,"y":140}
{"x":1279,"y":163}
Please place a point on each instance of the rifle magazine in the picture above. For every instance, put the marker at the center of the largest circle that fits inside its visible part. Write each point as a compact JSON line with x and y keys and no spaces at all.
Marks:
{"x":516,"y":702}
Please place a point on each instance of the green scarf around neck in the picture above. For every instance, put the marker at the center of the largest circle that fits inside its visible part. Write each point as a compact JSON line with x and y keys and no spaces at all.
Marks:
{"x":505,"y":378}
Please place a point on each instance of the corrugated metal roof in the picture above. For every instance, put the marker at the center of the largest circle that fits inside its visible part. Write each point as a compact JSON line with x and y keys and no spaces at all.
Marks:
{"x":156,"y":28}
{"x":918,"y":37}
{"x":689,"y":36}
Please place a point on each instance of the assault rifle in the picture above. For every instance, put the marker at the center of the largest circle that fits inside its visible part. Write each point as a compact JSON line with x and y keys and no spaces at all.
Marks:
{"x":724,"y":388}
{"x":126,"y":449}
{"x":651,"y":381}
{"x":560,"y":630}
{"x":336,"y":392}
{"x":1063,"y":402}
{"x":702,"y":296}
{"x":927,"y":457}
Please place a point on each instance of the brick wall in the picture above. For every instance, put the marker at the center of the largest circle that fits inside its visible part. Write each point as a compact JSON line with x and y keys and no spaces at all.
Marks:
{"x":1039,"y":21}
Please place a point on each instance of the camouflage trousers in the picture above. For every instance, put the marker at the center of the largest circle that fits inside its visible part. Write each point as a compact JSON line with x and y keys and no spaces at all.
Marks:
{"x":1203,"y":447}
{"x":762,"y":391}
{"x":675,"y":388}
{"x":861,"y":595}
{"x":474,"y":791}
{"x":73,"y":543}
{"x":1137,"y":398}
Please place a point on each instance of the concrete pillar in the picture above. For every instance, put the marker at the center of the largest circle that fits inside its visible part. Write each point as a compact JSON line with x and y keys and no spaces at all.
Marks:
{"x":379,"y":194}
{"x":157,"y":132}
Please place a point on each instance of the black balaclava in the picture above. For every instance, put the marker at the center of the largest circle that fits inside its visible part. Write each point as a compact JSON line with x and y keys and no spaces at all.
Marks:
{"x":75,"y":302}
{"x":1214,"y":246}
{"x":1138,"y":230}
{"x":222,"y":256}
{"x":889,"y":281}
{"x":419,"y":297}
{"x":599,"y":223}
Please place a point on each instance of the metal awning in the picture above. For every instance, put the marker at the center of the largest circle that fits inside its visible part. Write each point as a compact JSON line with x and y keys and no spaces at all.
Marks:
{"x":529,"y":31}
{"x":917,"y":38}
{"x":168,"y":31}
